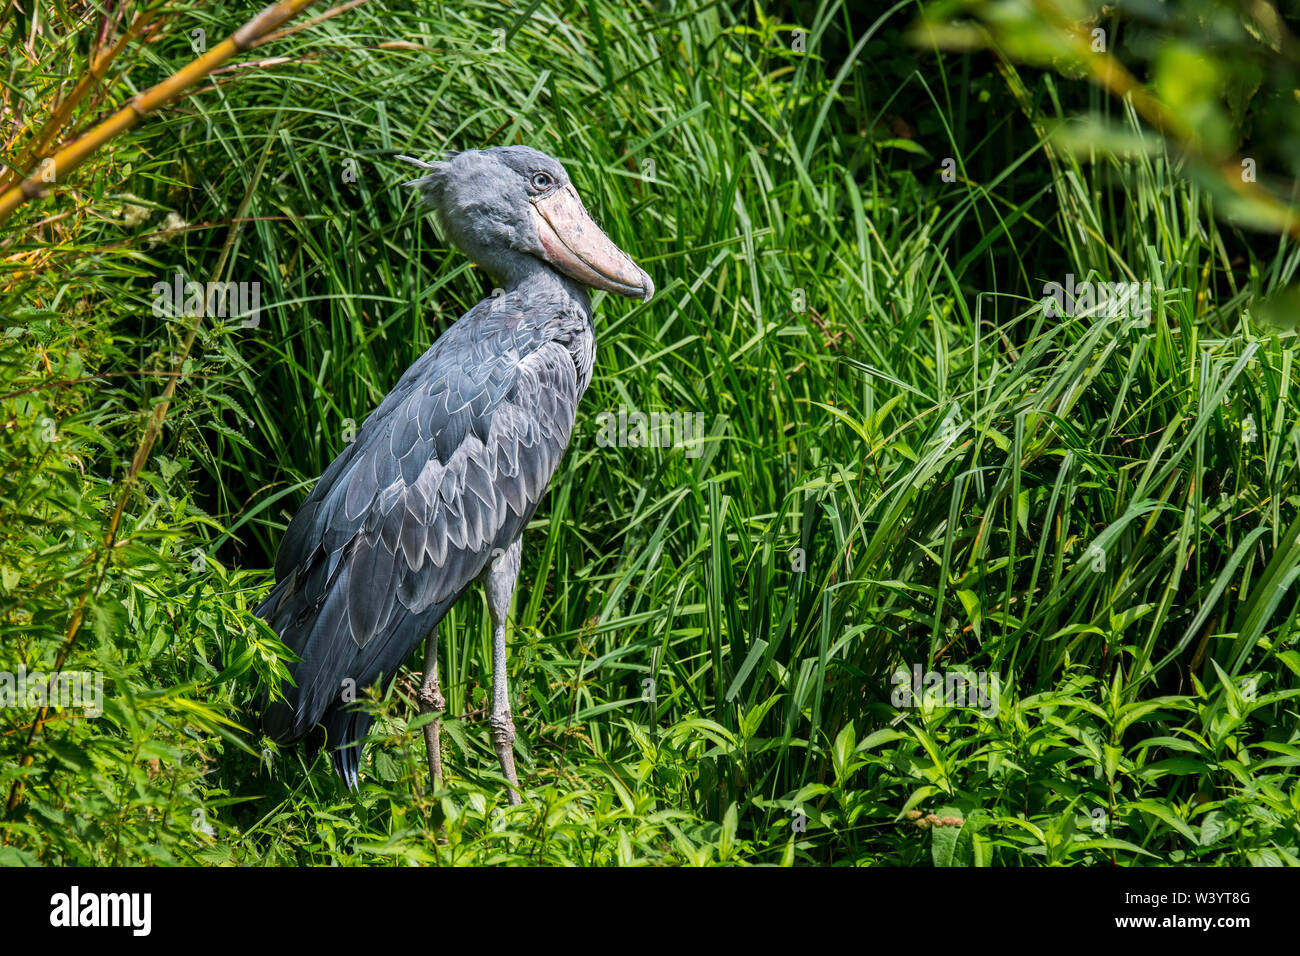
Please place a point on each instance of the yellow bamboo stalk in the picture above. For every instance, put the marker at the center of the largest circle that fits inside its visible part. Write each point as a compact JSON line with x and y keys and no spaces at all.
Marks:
{"x":99,"y":570}
{"x":307,"y":25}
{"x":1111,"y":76}
{"x":63,"y":112}
{"x":67,"y":159}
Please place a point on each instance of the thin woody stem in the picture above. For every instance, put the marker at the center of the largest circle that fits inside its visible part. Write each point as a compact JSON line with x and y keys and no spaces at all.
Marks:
{"x":71,"y":156}
{"x":152,"y":431}
{"x":63,"y":112}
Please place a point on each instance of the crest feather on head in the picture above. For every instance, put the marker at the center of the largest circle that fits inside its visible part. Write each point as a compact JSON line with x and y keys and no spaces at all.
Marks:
{"x":430,"y":185}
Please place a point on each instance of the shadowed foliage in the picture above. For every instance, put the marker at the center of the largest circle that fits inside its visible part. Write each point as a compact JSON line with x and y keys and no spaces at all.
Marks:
{"x":907,"y":459}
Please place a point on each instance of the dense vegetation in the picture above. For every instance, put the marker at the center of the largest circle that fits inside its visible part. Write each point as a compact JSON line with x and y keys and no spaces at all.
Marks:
{"x":910,"y":458}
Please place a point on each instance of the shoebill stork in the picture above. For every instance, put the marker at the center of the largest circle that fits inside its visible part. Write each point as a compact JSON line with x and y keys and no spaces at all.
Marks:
{"x":436,"y":489}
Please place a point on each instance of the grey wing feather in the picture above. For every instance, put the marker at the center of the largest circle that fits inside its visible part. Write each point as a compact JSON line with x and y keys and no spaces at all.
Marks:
{"x":448,"y":469}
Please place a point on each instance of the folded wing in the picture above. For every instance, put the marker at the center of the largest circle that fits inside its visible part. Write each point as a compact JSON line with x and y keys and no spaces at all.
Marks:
{"x":441,"y":478}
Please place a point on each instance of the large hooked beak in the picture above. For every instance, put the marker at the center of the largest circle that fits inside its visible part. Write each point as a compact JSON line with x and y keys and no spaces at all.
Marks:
{"x":575,"y":245}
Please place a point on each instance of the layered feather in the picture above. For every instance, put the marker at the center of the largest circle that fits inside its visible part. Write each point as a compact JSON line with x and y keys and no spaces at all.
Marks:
{"x":440,"y":479}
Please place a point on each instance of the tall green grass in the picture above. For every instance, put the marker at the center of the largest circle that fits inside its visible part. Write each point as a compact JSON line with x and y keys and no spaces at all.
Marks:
{"x":907,"y":462}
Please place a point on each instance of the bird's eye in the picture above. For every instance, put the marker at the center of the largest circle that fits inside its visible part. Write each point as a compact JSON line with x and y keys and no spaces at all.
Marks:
{"x":541,"y":181}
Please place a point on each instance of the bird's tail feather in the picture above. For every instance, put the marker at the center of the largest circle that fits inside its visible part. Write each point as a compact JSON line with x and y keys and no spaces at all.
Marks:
{"x":313,"y":698}
{"x":346,"y":730}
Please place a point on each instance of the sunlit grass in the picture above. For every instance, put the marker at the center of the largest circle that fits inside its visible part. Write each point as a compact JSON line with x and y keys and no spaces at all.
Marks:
{"x":907,"y":462}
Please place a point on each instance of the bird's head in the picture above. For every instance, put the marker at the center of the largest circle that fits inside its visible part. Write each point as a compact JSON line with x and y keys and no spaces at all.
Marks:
{"x":496,"y":204}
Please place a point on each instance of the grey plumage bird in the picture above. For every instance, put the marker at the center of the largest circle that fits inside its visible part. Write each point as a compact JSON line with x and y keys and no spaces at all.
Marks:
{"x":436,"y":489}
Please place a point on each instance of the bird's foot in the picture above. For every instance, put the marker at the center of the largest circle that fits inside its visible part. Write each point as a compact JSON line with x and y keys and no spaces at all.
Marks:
{"x":503,"y":741}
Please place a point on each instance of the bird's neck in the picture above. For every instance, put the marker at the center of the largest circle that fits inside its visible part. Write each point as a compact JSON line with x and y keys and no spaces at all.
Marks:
{"x":533,"y":278}
{"x":558,"y":309}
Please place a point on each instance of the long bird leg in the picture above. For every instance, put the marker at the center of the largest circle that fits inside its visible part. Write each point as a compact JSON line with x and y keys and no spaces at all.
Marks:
{"x":432,"y":702}
{"x":500,"y":587}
